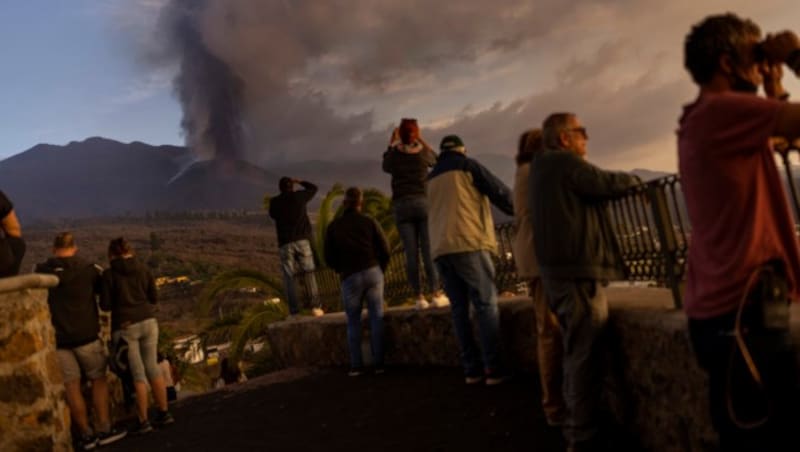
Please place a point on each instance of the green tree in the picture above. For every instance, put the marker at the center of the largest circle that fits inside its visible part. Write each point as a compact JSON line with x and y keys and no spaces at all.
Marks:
{"x":376,"y":204}
{"x":232,"y":280}
{"x":242,"y":325}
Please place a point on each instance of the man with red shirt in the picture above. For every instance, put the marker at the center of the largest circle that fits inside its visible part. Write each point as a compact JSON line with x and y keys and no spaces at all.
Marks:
{"x":742,"y":228}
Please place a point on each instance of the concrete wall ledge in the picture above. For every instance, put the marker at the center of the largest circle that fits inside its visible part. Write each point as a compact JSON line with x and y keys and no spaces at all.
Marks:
{"x":654,"y":385}
{"x":28,"y":281}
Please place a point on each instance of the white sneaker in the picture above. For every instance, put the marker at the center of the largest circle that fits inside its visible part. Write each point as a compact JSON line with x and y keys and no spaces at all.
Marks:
{"x":440,"y":300}
{"x":422,"y":303}
{"x":317,"y":312}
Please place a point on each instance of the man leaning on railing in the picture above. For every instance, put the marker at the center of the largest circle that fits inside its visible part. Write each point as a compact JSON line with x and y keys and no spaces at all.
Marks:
{"x":743,"y":263}
{"x":577,"y":252}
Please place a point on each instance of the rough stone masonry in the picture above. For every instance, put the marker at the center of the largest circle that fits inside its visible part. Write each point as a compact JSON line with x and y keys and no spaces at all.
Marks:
{"x":33,"y":414}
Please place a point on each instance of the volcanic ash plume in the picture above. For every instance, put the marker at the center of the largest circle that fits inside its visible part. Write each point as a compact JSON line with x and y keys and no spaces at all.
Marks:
{"x":274,"y":80}
{"x":209,"y":91}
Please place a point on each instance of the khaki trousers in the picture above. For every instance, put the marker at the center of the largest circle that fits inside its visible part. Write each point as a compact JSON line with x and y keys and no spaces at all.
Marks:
{"x":549,"y":351}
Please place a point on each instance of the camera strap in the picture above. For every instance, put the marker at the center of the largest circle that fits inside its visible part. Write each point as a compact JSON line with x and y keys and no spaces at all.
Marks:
{"x":768,"y":287}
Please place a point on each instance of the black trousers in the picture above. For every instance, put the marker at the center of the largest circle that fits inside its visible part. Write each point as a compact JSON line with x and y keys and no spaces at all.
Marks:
{"x":772,"y":352}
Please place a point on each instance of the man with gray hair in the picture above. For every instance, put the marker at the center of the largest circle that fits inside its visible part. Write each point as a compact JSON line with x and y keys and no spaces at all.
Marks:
{"x":577,"y":255}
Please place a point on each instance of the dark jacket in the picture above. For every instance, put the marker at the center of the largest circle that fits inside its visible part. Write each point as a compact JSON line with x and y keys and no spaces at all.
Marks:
{"x":354,"y":242}
{"x":12,"y":249}
{"x":572,"y":233}
{"x":128,"y":291}
{"x":288,"y":209}
{"x":409,"y":171}
{"x":459,"y":212}
{"x":73,"y":304}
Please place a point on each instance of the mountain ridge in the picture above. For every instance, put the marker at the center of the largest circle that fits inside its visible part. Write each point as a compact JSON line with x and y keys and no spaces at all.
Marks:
{"x":103,"y":177}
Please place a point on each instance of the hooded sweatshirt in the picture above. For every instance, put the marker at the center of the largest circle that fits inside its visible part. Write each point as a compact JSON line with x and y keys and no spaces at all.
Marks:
{"x":128,"y":291}
{"x":409,"y":166}
{"x":73,"y":308}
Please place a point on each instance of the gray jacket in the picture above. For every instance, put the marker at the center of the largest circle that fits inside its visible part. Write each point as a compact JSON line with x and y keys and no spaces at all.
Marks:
{"x":572,"y":233}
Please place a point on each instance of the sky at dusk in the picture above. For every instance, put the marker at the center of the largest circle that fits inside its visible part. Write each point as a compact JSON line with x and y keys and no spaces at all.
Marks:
{"x":327,"y":80}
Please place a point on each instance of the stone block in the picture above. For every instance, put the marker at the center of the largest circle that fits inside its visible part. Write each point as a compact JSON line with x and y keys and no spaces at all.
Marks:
{"x":22,"y":388}
{"x":20,"y":346}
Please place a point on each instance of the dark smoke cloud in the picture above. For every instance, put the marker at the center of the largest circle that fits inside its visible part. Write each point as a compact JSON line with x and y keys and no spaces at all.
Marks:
{"x":285,"y":80}
{"x":243,"y":80}
{"x":210,"y":93}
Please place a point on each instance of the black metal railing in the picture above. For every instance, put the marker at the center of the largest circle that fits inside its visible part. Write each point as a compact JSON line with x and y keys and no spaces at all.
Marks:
{"x":651,"y":231}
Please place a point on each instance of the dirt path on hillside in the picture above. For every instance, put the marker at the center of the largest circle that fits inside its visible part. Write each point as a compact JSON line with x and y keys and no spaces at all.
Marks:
{"x":402,"y":410}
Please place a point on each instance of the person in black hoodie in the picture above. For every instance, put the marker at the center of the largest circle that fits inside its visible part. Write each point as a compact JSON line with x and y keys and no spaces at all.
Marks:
{"x":356,"y":248}
{"x":128,"y":291}
{"x":409,"y":159}
{"x":73,"y":311}
{"x":13,"y":246}
{"x":288,"y":209}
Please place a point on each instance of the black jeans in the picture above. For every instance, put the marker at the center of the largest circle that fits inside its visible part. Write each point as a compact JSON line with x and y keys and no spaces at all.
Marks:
{"x":772,"y":352}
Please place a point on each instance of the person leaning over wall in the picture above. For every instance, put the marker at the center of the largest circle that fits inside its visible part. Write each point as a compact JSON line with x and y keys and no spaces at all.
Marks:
{"x":743,"y":262}
{"x":12,"y":246}
{"x":129,"y":291}
{"x":549,"y":349}
{"x":577,"y":254}
{"x":80,"y":352}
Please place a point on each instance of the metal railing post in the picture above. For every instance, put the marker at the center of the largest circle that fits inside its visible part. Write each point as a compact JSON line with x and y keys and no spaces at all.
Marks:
{"x":666,"y":235}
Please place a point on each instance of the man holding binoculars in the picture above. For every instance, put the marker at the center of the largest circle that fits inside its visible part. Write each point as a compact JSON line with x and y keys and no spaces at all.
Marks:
{"x":744,"y":262}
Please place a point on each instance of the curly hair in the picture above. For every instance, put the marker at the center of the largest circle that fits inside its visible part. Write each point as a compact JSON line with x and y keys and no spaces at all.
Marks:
{"x":713,"y":37}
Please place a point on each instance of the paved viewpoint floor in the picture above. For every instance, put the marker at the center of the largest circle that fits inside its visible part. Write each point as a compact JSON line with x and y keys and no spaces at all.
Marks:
{"x":402,"y":410}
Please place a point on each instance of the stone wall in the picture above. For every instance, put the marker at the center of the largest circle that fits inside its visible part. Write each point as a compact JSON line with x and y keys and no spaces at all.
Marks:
{"x":33,"y":414}
{"x":654,"y":386}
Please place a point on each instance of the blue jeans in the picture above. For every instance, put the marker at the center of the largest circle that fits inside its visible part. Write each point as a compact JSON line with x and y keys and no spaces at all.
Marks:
{"x":366,"y":285}
{"x":411,"y":217}
{"x":142,"y":339}
{"x":297,"y":257}
{"x":469,"y":279}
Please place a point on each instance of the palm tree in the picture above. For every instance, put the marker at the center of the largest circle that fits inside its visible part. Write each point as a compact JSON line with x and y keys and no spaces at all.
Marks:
{"x":232,"y":280}
{"x":325,"y":217}
{"x":239,"y":326}
{"x":376,"y":204}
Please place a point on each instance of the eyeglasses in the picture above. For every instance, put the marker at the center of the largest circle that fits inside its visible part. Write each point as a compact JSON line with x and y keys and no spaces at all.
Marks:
{"x":580,"y":130}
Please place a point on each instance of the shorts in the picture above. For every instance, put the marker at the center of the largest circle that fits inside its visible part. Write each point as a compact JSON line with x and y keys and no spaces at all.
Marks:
{"x":89,"y":359}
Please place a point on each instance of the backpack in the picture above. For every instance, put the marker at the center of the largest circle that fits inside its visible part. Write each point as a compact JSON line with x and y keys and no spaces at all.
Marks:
{"x":118,"y":357}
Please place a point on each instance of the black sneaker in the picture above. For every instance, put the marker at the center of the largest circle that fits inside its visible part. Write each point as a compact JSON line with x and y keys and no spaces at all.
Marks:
{"x":142,"y":427}
{"x":115,"y":434}
{"x":86,"y":442}
{"x":163,"y":418}
{"x":379,"y":370}
{"x":356,"y":372}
